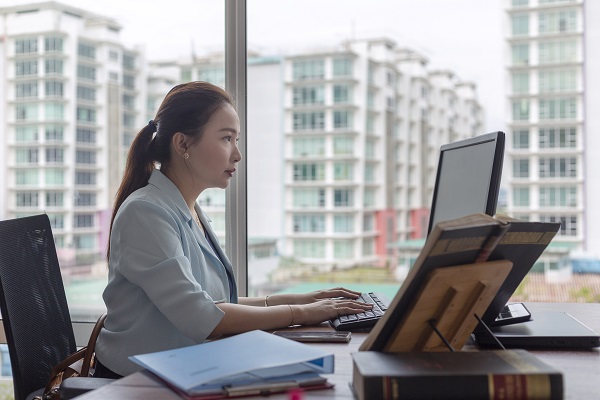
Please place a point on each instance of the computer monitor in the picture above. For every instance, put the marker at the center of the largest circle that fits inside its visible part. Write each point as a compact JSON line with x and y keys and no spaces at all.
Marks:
{"x":468,"y":178}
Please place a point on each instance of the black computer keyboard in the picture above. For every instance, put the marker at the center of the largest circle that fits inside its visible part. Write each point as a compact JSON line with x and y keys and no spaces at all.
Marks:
{"x":365,"y":319}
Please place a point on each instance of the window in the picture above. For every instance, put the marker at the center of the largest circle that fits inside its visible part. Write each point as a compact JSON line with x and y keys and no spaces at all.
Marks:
{"x":370,"y":173}
{"x":54,"y":111}
{"x":343,"y":223}
{"x":342,"y":67}
{"x":565,"y":108}
{"x":369,"y":198}
{"x":54,"y":133}
{"x":557,"y":51}
{"x":26,"y":133}
{"x":521,"y":139}
{"x":342,"y":94}
{"x":309,"y":172}
{"x":309,"y":146}
{"x":370,"y":148}
{"x":129,"y":101}
{"x":86,"y":114}
{"x":558,"y":80}
{"x":54,"y":176}
{"x":520,"y":82}
{"x":27,"y":199}
{"x":520,"y":24}
{"x":568,"y":224}
{"x":54,"y":199}
{"x":84,"y":242}
{"x":521,"y":197}
{"x":129,"y":81}
{"x":54,"y":155}
{"x":520,"y":110}
{"x":83,"y":220}
{"x":85,"y":157}
{"x":521,"y":168}
{"x":54,"y":89}
{"x":26,"y":177}
{"x":85,"y":178}
{"x":128,"y":61}
{"x":343,"y":249}
{"x":520,"y":54}
{"x":53,"y":66}
{"x":26,"y":89}
{"x":27,"y":155}
{"x":308,"y":70}
{"x":86,"y":50}
{"x":309,"y":121}
{"x":86,"y":93}
{"x":343,"y":171}
{"x":309,"y":223}
{"x":309,"y":248}
{"x":342,"y":119}
{"x":84,"y":199}
{"x":84,"y":135}
{"x":557,"y":21}
{"x":558,"y":138}
{"x":57,"y":221}
{"x":86,"y":72}
{"x":343,"y":145}
{"x":24,"y":46}
{"x":343,"y":198}
{"x":558,"y":196}
{"x":309,"y":198}
{"x":26,"y":68}
{"x":53,"y":44}
{"x":309,"y":95}
{"x":558,"y":167}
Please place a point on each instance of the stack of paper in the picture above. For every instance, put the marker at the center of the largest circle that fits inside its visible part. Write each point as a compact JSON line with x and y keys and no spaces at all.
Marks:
{"x":255,"y":362}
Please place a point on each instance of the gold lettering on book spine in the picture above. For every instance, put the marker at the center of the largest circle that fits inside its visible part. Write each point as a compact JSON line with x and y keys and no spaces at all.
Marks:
{"x":528,"y":238}
{"x":450,"y":246}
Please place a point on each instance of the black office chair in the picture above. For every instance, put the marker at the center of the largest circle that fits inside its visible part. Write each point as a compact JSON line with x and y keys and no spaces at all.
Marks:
{"x":33,"y":303}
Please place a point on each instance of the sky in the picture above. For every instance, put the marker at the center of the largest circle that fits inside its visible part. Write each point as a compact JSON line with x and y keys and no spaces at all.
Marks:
{"x":465,"y":36}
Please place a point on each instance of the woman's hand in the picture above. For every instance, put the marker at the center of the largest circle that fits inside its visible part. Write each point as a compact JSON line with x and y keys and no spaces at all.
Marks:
{"x":324,"y":310}
{"x":318,"y":295}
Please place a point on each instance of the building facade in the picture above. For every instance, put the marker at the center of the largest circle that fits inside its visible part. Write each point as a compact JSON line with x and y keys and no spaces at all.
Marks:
{"x":72,"y":97}
{"x":552,"y":147}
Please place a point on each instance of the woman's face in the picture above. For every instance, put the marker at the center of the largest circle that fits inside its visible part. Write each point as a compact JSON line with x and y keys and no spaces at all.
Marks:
{"x":213,"y":158}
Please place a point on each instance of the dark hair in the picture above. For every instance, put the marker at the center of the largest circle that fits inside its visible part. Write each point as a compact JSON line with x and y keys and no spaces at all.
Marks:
{"x":186,"y":109}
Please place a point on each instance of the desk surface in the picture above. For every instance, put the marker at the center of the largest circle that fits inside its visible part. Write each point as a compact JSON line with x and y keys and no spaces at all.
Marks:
{"x":581,"y":369}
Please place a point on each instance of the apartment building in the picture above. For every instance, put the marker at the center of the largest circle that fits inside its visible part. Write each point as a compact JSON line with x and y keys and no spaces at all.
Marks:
{"x":552,"y":147}
{"x":363,"y":124}
{"x":72,"y":97}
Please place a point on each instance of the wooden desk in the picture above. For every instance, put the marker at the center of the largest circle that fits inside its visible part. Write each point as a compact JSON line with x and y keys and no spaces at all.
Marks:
{"x":581,"y":369}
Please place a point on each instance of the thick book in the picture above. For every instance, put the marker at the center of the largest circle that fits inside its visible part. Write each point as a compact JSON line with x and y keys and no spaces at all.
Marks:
{"x":248,"y":363}
{"x":493,"y":375}
{"x":471,"y":239}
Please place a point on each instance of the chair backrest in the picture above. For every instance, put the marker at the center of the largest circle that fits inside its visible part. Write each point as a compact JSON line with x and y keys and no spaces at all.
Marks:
{"x":33,"y":303}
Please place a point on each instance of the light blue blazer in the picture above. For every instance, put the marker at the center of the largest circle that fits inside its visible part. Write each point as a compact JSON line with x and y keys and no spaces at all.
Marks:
{"x":164,"y":277}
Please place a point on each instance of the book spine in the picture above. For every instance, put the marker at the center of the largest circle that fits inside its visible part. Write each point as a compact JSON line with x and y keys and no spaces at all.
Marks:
{"x":492,"y":387}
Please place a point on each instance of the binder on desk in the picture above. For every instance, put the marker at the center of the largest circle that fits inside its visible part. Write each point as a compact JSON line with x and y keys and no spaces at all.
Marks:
{"x":250,"y":363}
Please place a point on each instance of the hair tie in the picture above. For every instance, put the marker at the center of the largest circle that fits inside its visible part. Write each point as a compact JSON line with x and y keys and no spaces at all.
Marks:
{"x":152,"y":124}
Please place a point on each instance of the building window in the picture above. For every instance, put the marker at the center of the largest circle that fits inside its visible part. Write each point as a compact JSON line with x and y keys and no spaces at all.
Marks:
{"x":129,"y":81}
{"x":54,"y":133}
{"x":342,"y":94}
{"x":370,"y":149}
{"x":27,"y":199}
{"x":53,"y":67}
{"x":343,"y":223}
{"x":557,"y":21}
{"x":343,"y":198}
{"x":83,"y":220}
{"x":520,"y":82}
{"x":308,"y":70}
{"x":521,"y":168}
{"x":54,"y":176}
{"x":520,"y":24}
{"x":86,"y":114}
{"x":128,"y":61}
{"x":308,"y":146}
{"x":129,"y":101}
{"x":26,"y":68}
{"x":54,"y":199}
{"x":85,"y":157}
{"x":55,"y":155}
{"x":309,"y":223}
{"x":368,"y":222}
{"x":26,"y":133}
{"x":86,"y":93}
{"x":84,"y":135}
{"x":520,"y":54}
{"x":53,"y":44}
{"x":557,"y":51}
{"x":369,"y":198}
{"x":520,"y":110}
{"x":565,"y":108}
{"x":568,"y":224}
{"x":343,"y":171}
{"x":86,"y":50}
{"x":26,"y":90}
{"x":308,"y":95}
{"x":86,"y":72}
{"x":309,"y":172}
{"x":343,"y":145}
{"x":26,"y":177}
{"x":342,"y":119}
{"x":84,"y":199}
{"x":24,"y":46}
{"x":309,"y":121}
{"x":558,"y":196}
{"x":521,"y":139}
{"x":368,"y":247}
{"x":343,"y":249}
{"x":85,"y":178}
{"x":558,"y":167}
{"x":550,"y":138}
{"x":342,"y":67}
{"x":370,"y":173}
{"x":54,"y":111}
{"x":309,"y":248}
{"x":557,"y":80}
{"x":309,"y":198}
{"x":54,"y":89}
{"x":84,"y":242}
{"x":57,"y":221}
{"x":521,"y":197}
{"x":27,"y":156}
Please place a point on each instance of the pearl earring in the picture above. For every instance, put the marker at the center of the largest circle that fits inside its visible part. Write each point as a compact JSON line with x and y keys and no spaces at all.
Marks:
{"x":186,"y":156}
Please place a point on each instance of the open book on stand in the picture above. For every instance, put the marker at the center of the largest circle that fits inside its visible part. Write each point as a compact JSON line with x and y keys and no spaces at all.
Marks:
{"x":251,"y":363}
{"x":474,"y":244}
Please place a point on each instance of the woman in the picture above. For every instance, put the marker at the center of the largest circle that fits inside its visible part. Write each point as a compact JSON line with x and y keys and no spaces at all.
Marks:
{"x":169,"y":284}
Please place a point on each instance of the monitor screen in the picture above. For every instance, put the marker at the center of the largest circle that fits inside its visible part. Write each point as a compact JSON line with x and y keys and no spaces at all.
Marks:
{"x":468,"y":178}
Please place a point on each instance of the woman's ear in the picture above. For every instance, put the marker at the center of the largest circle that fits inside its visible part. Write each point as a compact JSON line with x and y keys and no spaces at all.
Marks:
{"x":180,"y":143}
